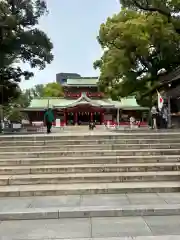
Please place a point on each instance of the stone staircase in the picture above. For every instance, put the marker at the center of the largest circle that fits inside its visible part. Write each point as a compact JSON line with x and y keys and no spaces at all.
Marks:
{"x":90,"y":163}
{"x":122,"y":184}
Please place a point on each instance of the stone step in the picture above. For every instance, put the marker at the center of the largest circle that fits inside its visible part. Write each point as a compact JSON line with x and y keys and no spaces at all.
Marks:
{"x":89,"y":160}
{"x":127,"y":152}
{"x":92,"y":160}
{"x":46,"y":231}
{"x":69,"y":178}
{"x":92,"y":136}
{"x":88,"y":188}
{"x":90,"y":211}
{"x":159,"y":237}
{"x":89,"y":147}
{"x":90,"y":168}
{"x":89,"y":142}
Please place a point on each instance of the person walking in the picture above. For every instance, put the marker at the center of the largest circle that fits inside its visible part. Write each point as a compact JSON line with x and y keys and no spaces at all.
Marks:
{"x":49,"y":119}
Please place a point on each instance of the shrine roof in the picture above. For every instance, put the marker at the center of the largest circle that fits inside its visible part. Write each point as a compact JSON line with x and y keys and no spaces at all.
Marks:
{"x":164,"y":80}
{"x":84,"y":99}
{"x":43,"y":103}
{"x":125,"y":103}
{"x":171,"y":76}
{"x":82,"y":82}
{"x":128,"y":103}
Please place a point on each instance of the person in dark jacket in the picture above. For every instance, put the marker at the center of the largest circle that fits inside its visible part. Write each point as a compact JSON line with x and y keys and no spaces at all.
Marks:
{"x":49,"y":119}
{"x":164,"y":113}
{"x":92,"y":125}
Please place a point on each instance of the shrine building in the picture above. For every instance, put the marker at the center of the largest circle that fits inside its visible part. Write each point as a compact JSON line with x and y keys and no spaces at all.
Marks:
{"x":82,"y":103}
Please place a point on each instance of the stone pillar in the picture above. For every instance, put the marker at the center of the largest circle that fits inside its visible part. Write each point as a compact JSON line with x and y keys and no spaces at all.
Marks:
{"x":118,"y":115}
{"x":169,"y":112}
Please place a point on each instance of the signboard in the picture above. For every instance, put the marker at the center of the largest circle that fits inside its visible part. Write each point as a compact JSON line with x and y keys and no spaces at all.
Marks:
{"x":16,"y":125}
{"x":58,"y":122}
{"x":108,"y":117}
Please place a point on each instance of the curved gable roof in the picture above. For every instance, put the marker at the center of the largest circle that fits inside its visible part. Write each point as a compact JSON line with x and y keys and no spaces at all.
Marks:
{"x":125,"y":103}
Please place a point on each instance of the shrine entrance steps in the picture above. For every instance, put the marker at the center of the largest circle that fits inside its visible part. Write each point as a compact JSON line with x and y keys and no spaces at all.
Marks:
{"x":89,"y":175}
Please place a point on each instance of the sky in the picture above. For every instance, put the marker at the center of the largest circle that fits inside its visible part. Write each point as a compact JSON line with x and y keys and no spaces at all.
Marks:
{"x":72,"y":26}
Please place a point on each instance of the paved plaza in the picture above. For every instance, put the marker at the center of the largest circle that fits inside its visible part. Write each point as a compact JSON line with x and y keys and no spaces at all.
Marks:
{"x":111,"y":200}
{"x":98,"y":228}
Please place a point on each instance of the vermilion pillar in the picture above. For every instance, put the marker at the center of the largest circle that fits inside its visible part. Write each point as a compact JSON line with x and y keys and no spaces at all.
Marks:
{"x":65,"y":117}
{"x":91,"y":116}
{"x":102,"y":118}
{"x":76,"y":118}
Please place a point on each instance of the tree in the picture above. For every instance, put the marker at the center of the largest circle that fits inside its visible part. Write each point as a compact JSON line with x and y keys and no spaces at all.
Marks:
{"x":21,"y":41}
{"x":170,"y":9}
{"x":47,"y":90}
{"x":136,"y":46}
{"x":53,"y":90}
{"x":12,"y":112}
{"x":37,"y":91}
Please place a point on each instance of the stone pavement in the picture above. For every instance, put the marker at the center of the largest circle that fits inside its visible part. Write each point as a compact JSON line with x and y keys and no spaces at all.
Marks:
{"x":116,"y":200}
{"x":129,"y":228}
{"x":93,"y":133}
{"x":82,"y":206}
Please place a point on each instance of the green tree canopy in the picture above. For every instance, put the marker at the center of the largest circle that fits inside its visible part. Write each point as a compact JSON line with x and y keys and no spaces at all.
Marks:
{"x":21,"y":41}
{"x":170,"y":9}
{"x":36,"y":91}
{"x":53,"y":90}
{"x":12,"y":109}
{"x":136,"y":46}
{"x":48,"y":90}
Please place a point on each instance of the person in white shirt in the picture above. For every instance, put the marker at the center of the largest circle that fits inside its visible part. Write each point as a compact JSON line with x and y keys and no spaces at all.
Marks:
{"x":154,"y":117}
{"x":132,"y":121}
